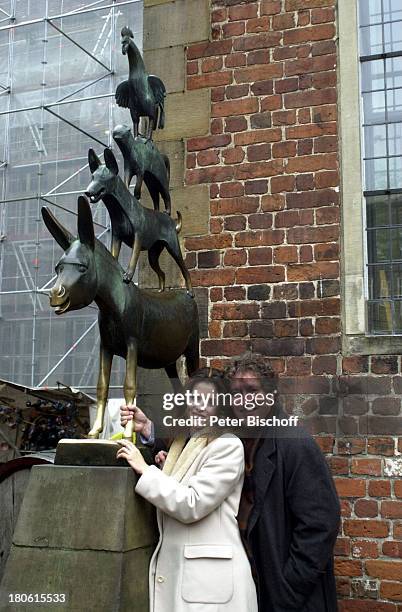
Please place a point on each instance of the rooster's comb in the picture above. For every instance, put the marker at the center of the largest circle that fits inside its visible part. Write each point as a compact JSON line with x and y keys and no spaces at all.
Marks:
{"x":125,"y":31}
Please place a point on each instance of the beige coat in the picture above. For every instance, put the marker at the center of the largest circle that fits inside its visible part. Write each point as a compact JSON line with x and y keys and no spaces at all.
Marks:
{"x":200,"y":564}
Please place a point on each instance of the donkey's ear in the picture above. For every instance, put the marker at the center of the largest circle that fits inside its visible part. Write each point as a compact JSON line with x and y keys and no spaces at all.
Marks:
{"x":86,"y":232}
{"x":59,"y":233}
{"x":93,"y":160}
{"x":111,"y":162}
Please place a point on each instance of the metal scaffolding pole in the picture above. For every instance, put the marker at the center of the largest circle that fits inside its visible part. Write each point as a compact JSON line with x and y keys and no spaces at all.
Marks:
{"x":106,"y":35}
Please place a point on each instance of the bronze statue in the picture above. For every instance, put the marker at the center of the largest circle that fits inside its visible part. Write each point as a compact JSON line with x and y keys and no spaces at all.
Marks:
{"x":143,"y":160}
{"x":140,"y":228}
{"x":147,"y":328}
{"x":143,"y":93}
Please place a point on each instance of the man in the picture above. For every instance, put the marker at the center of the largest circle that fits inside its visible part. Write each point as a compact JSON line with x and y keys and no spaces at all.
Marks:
{"x":289,"y":513}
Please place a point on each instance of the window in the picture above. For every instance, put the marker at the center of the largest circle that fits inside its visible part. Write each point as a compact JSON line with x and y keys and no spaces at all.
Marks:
{"x":380,"y":43}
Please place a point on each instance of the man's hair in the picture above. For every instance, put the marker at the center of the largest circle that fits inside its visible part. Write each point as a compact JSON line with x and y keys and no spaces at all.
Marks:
{"x":257,"y":363}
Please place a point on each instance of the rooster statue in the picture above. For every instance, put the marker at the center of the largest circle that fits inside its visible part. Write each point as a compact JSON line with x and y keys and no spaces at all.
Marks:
{"x":144,"y":94}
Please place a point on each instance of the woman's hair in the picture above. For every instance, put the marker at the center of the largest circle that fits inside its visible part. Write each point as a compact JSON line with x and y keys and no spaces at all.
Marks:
{"x":257,"y":363}
{"x":220,"y":383}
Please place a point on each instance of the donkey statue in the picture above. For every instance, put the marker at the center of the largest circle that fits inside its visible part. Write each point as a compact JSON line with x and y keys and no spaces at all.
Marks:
{"x":138,"y":227}
{"x":146,"y":328}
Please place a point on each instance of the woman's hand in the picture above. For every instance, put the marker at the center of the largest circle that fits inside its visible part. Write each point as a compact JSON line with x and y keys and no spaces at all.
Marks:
{"x":160,"y":459}
{"x":132,"y":455}
{"x":142,"y":424}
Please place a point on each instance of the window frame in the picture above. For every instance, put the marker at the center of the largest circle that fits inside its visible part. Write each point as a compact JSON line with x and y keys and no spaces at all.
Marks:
{"x":354,"y":289}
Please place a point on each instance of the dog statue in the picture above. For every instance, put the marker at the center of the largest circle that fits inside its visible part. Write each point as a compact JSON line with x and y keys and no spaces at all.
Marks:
{"x":138,"y":227}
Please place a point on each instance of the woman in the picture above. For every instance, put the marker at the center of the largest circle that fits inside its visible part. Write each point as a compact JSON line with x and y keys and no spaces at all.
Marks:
{"x":199,"y":564}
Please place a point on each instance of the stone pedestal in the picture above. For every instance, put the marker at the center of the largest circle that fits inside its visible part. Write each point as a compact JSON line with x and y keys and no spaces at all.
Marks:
{"x":82,"y":531}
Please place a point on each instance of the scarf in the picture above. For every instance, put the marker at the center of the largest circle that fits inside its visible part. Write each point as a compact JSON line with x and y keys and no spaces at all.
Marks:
{"x":182,"y":454}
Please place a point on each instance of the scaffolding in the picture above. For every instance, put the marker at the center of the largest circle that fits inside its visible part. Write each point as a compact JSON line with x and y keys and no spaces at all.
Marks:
{"x":60,"y":63}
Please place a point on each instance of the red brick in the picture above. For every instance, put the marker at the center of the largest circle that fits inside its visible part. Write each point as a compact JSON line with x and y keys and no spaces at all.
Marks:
{"x":234,"y":155}
{"x":283,"y":22}
{"x":271,"y":103}
{"x":286,"y":85}
{"x":258,"y":169}
{"x":235,"y":329}
{"x":259,"y":238}
{"x":284,"y":149}
{"x":294,"y":5}
{"x":236,"y":91}
{"x":259,"y":41}
{"x":325,"y":144}
{"x":309,"y":163}
{"x":243,"y":11}
{"x":218,"y":15}
{"x":398,"y":488}
{"x":231,"y":108}
{"x":208,"y":158}
{"x":366,"y":528}
{"x":272,"y":202}
{"x":234,"y":60}
{"x":234,"y":311}
{"x":232,"y":189}
{"x":312,"y":271}
{"x":363,"y":549}
{"x":381,"y":446}
{"x":213,"y":174}
{"x":387,"y":570}
{"x":300,"y":366}
{"x":256,"y":136}
{"x":208,"y":49}
{"x":379,"y":488}
{"x":261,"y":88}
{"x":391,"y":509}
{"x":207,"y":142}
{"x":310,"y":98}
{"x":284,"y":117}
{"x":261,"y":274}
{"x":259,"y":73}
{"x":324,"y":364}
{"x":256,"y":187}
{"x":260,"y":256}
{"x":230,"y":206}
{"x":364,"y":605}
{"x":233,"y":29}
{"x":260,"y":221}
{"x":346,"y":567}
{"x":371,"y":467}
{"x":270,"y":7}
{"x":355,"y":364}
{"x":211,"y":64}
{"x":192,"y":67}
{"x":207,"y":278}
{"x":308,"y":34}
{"x":311,"y":130}
{"x":198,"y":243}
{"x":279,"y":184}
{"x":322,"y":15}
{"x":350,"y":487}
{"x":227,"y":347}
{"x":391,"y":590}
{"x":392,"y":549}
{"x":235,"y":257}
{"x":310,"y":65}
{"x":258,"y":152}
{"x":286,"y":328}
{"x":260,"y":24}
{"x":285,"y":254}
{"x":327,"y":325}
{"x":366,"y":508}
{"x":235,"y":124}
{"x":235,"y":223}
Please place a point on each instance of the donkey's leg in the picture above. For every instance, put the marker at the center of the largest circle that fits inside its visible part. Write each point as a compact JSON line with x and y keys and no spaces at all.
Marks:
{"x":173,"y":247}
{"x":171,"y":371}
{"x":192,"y":352}
{"x":153,"y":258}
{"x":105,"y":366}
{"x":115,"y":247}
{"x":130,"y":384}
{"x":135,"y":253}
{"x":138,"y":186}
{"x":154,"y":193}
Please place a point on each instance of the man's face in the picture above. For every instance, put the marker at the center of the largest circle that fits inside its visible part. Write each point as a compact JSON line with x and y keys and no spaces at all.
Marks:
{"x":248,"y":384}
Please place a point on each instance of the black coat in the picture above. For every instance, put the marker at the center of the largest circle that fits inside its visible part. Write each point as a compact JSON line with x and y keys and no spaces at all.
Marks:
{"x":293,"y":525}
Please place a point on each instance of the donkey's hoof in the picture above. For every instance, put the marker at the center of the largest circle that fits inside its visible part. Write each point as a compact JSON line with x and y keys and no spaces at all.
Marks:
{"x":127,"y":277}
{"x":190,"y":293}
{"x":94,"y":433}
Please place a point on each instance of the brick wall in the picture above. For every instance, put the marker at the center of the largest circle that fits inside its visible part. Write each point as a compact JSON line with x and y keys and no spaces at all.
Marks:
{"x":271,"y":263}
